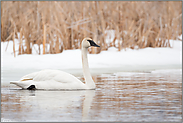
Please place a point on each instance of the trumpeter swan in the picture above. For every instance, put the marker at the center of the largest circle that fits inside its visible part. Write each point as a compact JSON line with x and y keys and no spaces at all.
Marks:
{"x":55,"y":79}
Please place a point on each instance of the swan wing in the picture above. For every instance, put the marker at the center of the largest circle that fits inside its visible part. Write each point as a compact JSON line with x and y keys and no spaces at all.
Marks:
{"x":53,"y":75}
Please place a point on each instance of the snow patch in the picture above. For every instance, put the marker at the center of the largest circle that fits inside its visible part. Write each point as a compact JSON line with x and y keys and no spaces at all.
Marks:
{"x":71,"y":59}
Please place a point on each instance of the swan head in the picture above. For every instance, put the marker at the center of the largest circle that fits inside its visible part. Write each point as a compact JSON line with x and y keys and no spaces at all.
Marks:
{"x":88,"y":42}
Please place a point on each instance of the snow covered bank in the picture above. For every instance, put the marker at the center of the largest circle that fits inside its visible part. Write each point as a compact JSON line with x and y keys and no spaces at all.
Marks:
{"x":71,"y":59}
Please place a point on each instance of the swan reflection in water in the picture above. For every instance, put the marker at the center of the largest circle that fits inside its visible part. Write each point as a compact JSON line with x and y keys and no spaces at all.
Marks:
{"x":55,"y":105}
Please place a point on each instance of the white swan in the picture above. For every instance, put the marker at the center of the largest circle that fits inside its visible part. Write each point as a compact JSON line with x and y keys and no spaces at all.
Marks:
{"x":55,"y":79}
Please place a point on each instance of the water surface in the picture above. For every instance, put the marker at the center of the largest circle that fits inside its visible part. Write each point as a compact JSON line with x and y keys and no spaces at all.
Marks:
{"x":121,"y":96}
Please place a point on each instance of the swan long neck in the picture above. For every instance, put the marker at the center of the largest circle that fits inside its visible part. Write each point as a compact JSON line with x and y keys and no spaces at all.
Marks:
{"x":88,"y":79}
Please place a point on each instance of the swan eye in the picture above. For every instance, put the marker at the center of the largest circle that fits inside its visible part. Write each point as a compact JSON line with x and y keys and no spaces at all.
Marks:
{"x":92,"y":43}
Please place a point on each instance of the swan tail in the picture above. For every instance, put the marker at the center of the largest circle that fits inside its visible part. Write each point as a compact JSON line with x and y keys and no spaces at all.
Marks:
{"x":23,"y":85}
{"x":14,"y":82}
{"x":17,"y":83}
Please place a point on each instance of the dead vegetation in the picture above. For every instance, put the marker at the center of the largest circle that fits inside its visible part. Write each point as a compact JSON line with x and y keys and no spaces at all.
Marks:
{"x":63,"y":25}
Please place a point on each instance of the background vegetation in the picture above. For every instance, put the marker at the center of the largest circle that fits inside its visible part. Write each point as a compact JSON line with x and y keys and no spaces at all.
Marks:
{"x":63,"y":25}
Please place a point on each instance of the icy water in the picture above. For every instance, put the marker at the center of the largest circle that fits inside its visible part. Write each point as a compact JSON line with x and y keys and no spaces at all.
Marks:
{"x":122,"y":96}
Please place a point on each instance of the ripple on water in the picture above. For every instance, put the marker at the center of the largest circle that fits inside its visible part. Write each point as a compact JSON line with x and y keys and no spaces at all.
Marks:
{"x":122,"y":96}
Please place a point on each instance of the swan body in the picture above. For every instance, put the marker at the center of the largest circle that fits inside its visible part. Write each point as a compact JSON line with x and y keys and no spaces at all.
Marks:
{"x":56,"y":79}
{"x":50,"y":79}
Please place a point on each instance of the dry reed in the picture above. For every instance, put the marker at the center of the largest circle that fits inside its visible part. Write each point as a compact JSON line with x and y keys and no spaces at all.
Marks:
{"x":64,"y":24}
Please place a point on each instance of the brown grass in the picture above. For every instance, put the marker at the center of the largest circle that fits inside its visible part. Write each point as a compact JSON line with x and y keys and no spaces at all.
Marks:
{"x":63,"y":25}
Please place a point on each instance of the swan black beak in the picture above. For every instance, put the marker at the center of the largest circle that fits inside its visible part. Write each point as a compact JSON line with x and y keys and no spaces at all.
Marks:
{"x":92,"y":43}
